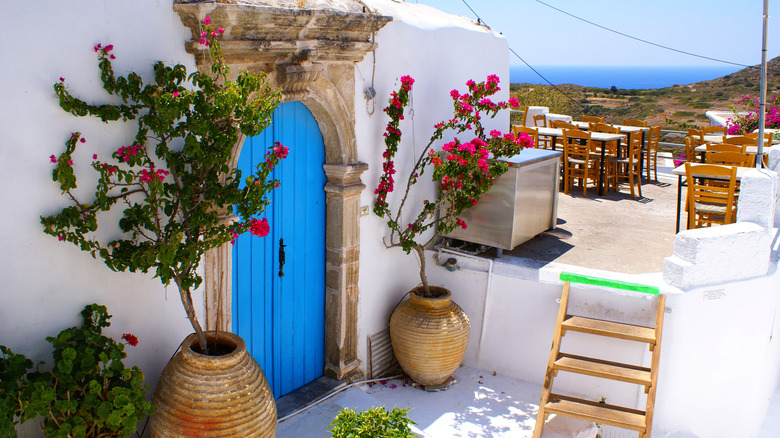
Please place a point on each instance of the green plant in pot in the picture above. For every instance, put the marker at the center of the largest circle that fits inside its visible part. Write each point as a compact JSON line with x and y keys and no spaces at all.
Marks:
{"x":88,"y":392}
{"x":174,"y":180}
{"x":429,"y":332}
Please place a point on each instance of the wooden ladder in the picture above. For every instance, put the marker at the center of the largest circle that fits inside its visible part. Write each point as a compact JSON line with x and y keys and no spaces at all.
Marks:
{"x":593,"y":410}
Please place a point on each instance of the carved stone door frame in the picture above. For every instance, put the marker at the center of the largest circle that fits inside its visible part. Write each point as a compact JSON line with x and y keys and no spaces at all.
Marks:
{"x":299,"y":51}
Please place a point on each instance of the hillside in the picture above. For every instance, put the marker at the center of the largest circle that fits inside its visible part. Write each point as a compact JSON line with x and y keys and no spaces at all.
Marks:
{"x":684,"y":104}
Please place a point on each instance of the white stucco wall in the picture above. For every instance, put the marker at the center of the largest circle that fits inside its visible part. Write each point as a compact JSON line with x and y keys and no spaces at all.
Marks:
{"x":441,"y":52}
{"x":46,"y":283}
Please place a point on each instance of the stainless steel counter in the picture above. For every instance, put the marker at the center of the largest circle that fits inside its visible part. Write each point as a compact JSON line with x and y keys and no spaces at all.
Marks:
{"x":521,"y":204}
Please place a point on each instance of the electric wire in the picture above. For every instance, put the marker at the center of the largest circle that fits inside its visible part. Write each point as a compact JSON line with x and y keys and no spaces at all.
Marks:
{"x":639,"y":39}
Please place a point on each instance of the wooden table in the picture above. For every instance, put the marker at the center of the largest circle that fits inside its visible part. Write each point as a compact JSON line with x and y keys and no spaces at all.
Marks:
{"x":603,"y":137}
{"x":680,"y":172}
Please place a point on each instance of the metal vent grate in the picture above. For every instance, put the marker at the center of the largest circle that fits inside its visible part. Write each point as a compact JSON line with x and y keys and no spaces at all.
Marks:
{"x":381,"y":359}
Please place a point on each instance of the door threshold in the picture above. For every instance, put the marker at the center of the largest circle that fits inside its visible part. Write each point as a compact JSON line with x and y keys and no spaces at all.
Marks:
{"x":306,"y":395}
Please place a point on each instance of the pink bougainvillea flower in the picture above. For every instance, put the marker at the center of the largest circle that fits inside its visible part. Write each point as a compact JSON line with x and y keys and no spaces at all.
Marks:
{"x":112,"y":57}
{"x":70,"y":162}
{"x":94,"y":156}
{"x":83,"y":140}
{"x":130,"y":338}
{"x":53,"y":158}
{"x":280,"y":151}
{"x":207,"y":20}
{"x":109,"y":48}
{"x":98,"y":47}
{"x":259,"y":228}
{"x":221,"y":29}
{"x":61,"y":237}
{"x":62,"y":79}
{"x":175,"y":94}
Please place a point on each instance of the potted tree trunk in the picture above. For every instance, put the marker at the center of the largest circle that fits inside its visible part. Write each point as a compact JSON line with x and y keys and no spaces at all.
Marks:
{"x":181,"y":198}
{"x":429,"y":332}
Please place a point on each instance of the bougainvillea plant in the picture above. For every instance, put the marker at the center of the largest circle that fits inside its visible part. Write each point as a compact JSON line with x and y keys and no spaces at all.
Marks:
{"x":174,"y":179}
{"x":462,"y":170}
{"x":746,"y":123}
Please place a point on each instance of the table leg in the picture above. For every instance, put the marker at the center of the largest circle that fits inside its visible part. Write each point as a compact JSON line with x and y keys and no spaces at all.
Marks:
{"x":679,"y":194}
{"x":642,"y":158}
{"x":601,"y":168}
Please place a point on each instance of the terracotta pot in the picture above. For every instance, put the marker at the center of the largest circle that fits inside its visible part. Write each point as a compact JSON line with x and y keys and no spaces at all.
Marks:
{"x":201,"y":395}
{"x":429,"y":336}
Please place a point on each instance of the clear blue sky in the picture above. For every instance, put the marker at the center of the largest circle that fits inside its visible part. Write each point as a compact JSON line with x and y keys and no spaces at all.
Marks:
{"x":728,"y":30}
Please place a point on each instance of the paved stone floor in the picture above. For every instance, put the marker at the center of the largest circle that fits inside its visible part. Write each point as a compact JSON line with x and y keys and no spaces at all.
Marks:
{"x":479,"y":405}
{"x":612,"y":232}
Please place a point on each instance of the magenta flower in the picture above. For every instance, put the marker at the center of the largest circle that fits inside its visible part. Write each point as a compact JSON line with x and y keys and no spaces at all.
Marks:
{"x":175,"y":94}
{"x":221,"y":29}
{"x":94,"y":156}
{"x":207,"y":20}
{"x":83,"y":140}
{"x":62,"y":79}
{"x":109,"y":48}
{"x":260,"y":227}
{"x":61,"y":237}
{"x":53,"y":158}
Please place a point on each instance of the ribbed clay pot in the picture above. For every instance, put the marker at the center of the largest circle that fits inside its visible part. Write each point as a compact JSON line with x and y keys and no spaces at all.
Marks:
{"x":429,"y":335}
{"x":223,"y":395}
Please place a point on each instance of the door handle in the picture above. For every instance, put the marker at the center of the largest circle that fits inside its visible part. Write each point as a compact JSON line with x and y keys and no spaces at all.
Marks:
{"x":281,"y":256}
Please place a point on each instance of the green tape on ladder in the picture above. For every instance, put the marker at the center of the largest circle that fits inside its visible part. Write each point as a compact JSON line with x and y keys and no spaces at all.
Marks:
{"x":615,"y":284}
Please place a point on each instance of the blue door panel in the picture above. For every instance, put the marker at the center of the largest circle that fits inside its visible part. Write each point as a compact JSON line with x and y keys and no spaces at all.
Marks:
{"x":282,"y":318}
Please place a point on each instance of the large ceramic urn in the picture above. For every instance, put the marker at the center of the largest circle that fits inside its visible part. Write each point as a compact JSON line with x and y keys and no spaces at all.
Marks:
{"x":429,"y":335}
{"x":224,"y":394}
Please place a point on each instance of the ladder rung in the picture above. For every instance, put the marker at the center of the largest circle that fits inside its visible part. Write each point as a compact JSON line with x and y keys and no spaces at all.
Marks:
{"x":604,"y":369}
{"x":609,"y":328}
{"x":597,"y":412}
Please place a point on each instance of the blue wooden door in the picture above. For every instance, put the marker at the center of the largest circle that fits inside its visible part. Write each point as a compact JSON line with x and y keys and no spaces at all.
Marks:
{"x":282,"y":318}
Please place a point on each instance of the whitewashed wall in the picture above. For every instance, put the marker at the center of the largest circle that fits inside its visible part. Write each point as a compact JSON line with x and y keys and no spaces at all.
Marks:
{"x":46,"y":283}
{"x":441,"y":52}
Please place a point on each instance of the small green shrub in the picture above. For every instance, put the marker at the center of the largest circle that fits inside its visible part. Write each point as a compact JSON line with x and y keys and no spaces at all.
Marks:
{"x":373,"y":423}
{"x":87,"y":393}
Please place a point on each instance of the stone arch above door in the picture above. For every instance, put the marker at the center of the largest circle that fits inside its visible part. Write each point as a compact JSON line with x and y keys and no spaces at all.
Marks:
{"x":311,"y":55}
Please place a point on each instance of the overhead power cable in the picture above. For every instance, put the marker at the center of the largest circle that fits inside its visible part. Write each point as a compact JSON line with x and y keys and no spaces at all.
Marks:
{"x":480,"y":20}
{"x":640,"y":39}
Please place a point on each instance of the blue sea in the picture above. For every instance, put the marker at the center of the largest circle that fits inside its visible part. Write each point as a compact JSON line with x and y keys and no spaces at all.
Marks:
{"x":628,"y":77}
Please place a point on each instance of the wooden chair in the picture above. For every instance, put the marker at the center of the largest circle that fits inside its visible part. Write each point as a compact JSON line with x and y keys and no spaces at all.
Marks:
{"x":710,"y":204}
{"x":634,"y":122}
{"x":533,"y":133}
{"x":651,"y":152}
{"x":629,"y":166}
{"x":578,"y":162}
{"x":696,"y":139}
{"x":610,"y":146}
{"x":593,"y":119}
{"x":713,"y":130}
{"x":540,"y":120}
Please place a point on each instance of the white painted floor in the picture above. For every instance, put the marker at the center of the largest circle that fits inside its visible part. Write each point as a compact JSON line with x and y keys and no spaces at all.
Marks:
{"x":480,"y":405}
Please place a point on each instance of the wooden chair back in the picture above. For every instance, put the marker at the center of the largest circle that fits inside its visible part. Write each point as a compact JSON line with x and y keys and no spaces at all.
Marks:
{"x":713,"y":130}
{"x":741,"y":139}
{"x":562,"y":124}
{"x":767,"y":137}
{"x":731,"y":154}
{"x":634,"y":122}
{"x":592,"y":119}
{"x":726,"y":147}
{"x":540,"y":120}
{"x":710,"y":203}
{"x":531,"y":132}
{"x":603,"y":127}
